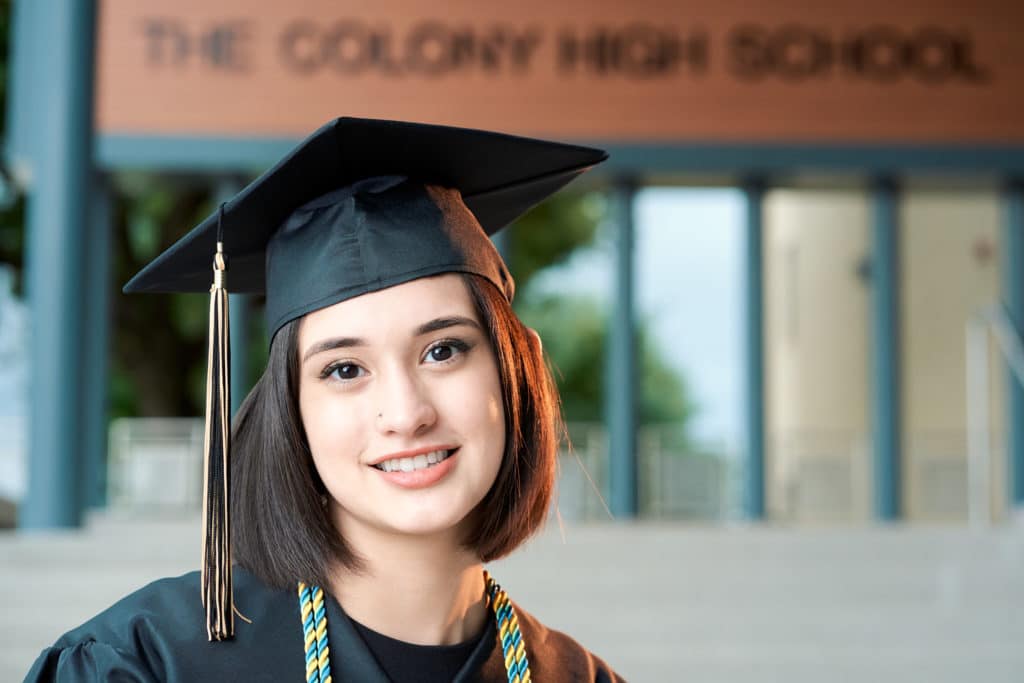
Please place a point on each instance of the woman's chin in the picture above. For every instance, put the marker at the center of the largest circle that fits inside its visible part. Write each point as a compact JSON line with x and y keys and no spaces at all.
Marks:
{"x":424,"y":524}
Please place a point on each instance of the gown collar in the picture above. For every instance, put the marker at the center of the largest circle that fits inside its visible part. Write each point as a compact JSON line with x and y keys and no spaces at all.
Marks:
{"x":351,"y":659}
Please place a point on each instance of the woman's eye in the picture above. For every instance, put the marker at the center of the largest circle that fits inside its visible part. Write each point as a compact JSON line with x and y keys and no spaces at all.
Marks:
{"x":440,"y":353}
{"x":344,"y":372}
{"x":445,"y":351}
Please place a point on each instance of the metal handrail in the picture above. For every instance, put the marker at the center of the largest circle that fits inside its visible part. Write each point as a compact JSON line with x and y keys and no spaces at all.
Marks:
{"x":996,"y":321}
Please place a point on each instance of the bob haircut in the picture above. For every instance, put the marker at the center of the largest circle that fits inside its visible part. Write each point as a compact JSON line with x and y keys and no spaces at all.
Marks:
{"x":280,"y":530}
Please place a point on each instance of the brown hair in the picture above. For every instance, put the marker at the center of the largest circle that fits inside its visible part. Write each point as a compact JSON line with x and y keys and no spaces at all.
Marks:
{"x":281,"y":532}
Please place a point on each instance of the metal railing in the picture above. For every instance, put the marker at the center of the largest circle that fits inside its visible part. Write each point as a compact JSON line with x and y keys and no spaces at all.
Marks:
{"x":156,"y":464}
{"x":995,"y":322}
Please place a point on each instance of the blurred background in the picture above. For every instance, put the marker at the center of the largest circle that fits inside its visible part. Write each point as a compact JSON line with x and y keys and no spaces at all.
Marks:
{"x":785,"y":318}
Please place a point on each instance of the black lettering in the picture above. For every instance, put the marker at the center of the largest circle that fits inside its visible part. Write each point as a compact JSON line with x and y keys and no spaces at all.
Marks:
{"x":749,"y":56}
{"x":602,"y":51}
{"x":465,"y":49}
{"x":643,"y":51}
{"x":428,"y":49}
{"x":524,"y":46}
{"x":932,"y":57}
{"x":223,"y":46}
{"x":571,"y":50}
{"x":879,"y":54}
{"x":695,"y":51}
{"x":299,"y":48}
{"x":637,"y":50}
{"x":347,"y":47}
{"x":962,"y":60}
{"x":798,"y":53}
{"x":382,"y":52}
{"x":593,"y":51}
{"x":166,"y":42}
{"x":598,"y":51}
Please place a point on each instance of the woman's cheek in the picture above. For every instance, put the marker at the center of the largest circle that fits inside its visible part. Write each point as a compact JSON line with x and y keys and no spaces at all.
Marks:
{"x":321,"y":423}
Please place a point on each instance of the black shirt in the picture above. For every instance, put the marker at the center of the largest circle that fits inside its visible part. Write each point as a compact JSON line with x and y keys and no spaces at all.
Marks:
{"x":410,"y":663}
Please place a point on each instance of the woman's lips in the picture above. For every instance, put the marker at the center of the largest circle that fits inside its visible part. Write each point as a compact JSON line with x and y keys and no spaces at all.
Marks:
{"x":418,"y":479}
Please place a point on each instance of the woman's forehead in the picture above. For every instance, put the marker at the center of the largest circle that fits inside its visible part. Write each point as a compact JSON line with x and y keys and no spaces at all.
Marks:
{"x":400,"y":309}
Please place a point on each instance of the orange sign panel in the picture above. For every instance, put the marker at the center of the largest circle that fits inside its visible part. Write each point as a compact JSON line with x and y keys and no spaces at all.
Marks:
{"x":844,"y":71}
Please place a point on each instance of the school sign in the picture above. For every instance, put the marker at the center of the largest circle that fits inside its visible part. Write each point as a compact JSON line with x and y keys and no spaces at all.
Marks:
{"x":859,"y":71}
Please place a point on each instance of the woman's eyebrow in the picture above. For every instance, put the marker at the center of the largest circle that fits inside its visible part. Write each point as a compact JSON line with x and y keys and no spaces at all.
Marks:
{"x":426,"y":328}
{"x":330,"y":344}
{"x":443,"y":323}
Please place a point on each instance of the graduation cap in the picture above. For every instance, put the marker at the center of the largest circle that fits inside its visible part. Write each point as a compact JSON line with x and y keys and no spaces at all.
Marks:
{"x":358,"y":206}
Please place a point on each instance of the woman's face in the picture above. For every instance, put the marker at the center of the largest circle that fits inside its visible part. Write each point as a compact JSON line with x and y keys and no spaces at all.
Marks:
{"x":401,"y":402}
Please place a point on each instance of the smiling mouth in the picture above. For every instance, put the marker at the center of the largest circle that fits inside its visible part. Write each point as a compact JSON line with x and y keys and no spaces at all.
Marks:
{"x":417,"y":462}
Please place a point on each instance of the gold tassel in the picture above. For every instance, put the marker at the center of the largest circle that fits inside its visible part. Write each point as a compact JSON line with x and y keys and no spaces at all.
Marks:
{"x":217,"y":593}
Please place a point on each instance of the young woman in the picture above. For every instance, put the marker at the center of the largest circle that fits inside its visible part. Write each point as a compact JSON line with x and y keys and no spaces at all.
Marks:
{"x":404,"y":432}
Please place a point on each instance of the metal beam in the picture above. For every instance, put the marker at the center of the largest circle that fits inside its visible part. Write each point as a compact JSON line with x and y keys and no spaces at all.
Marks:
{"x":57,"y":225}
{"x":886,"y":367}
{"x":753,"y":266}
{"x":621,"y":370}
{"x":226,"y":153}
{"x":1013,"y":301}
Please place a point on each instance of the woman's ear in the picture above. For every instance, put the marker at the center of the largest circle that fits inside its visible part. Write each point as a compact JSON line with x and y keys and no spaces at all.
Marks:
{"x":536,"y":337}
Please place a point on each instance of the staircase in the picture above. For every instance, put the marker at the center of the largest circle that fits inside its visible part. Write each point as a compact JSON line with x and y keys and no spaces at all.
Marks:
{"x":660,"y":602}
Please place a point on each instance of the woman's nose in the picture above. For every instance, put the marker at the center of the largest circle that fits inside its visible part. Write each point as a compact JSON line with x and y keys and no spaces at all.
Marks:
{"x":404,"y":405}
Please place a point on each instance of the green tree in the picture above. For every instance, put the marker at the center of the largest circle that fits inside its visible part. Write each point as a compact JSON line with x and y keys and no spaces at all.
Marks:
{"x":575,"y":335}
{"x":159,"y":342}
{"x":551,"y":232}
{"x":12,"y":203}
{"x":575,"y":329}
{"x":162,"y":373}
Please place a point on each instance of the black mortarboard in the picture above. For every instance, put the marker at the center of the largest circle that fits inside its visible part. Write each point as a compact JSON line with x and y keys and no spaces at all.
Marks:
{"x":358,"y":206}
{"x":281,"y":231}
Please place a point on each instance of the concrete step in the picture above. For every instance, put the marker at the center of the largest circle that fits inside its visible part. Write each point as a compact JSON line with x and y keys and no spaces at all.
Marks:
{"x":658,"y":601}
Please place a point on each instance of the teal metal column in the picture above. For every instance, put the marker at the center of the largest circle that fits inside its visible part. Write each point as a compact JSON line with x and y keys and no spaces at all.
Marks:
{"x":620,"y":373}
{"x":57,"y":225}
{"x":239,"y":306}
{"x":753,"y":262}
{"x":885,"y":347}
{"x":1013,"y":300}
{"x":28,"y":47}
{"x":96,"y":344}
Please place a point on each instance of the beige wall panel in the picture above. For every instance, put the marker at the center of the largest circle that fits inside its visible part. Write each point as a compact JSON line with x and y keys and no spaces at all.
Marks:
{"x":816,"y":353}
{"x":950,"y":261}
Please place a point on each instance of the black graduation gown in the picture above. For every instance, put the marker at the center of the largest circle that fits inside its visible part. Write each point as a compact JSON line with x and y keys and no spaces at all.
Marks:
{"x":158,"y":633}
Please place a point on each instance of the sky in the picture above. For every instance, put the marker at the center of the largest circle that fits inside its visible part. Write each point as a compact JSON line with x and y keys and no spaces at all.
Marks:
{"x":689,"y":292}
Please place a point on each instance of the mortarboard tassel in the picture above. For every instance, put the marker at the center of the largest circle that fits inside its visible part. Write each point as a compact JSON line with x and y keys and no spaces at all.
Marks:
{"x":217,"y":595}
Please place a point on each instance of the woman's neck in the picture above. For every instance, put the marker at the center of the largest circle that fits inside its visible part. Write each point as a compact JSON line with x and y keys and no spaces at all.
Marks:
{"x":423,"y":590}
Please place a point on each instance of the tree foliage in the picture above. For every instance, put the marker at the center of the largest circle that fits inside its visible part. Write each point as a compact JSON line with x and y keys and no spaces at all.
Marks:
{"x":575,"y":329}
{"x":575,"y":335}
{"x":549,"y":233}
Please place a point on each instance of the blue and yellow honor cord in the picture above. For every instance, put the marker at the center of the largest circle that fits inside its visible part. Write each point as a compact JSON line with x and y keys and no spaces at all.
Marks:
{"x":314,"y":628}
{"x":318,"y":659}
{"x":513,"y":647}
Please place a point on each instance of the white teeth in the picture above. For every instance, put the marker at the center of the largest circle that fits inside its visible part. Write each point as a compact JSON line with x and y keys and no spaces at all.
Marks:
{"x":417,"y":462}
